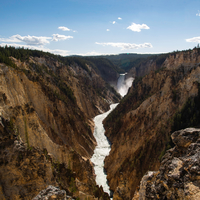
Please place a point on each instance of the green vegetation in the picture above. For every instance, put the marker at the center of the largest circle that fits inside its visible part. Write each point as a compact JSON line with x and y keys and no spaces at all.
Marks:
{"x":5,"y":57}
{"x":40,"y":70}
{"x":67,"y":91}
{"x":175,"y":95}
{"x":73,"y":61}
{"x":11,"y":125}
{"x":189,"y":115}
{"x":100,"y":62}
{"x":26,"y":132}
{"x":24,"y":54}
{"x":21,"y":53}
{"x":72,"y":185}
{"x":126,"y":61}
{"x":38,"y":73}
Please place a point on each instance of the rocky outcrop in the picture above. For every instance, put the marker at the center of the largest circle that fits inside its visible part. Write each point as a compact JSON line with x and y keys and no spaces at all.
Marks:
{"x":51,"y":193}
{"x":139,"y":128}
{"x":178,"y":175}
{"x":185,"y":58}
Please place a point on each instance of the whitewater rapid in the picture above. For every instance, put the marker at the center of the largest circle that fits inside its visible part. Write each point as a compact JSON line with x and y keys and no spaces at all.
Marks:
{"x":103,"y":147}
{"x":102,"y":150}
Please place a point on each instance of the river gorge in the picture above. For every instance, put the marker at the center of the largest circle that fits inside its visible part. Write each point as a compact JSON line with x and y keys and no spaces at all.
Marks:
{"x":103,"y":146}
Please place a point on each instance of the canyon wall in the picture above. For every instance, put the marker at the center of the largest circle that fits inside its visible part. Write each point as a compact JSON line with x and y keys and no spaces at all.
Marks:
{"x":139,"y":128}
{"x":144,"y":67}
{"x":49,"y":106}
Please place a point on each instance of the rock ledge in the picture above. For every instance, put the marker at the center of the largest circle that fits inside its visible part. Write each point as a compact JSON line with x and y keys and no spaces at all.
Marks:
{"x":179,"y":173}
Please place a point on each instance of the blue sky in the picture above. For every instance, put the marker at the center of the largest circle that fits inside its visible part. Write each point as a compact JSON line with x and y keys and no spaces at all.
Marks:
{"x":91,"y":27}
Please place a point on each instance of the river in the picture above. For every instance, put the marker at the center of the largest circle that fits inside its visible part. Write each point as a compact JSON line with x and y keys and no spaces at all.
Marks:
{"x":103,"y":147}
{"x":102,"y":150}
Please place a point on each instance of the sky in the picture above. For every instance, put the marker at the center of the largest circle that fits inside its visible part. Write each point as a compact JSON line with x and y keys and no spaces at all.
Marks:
{"x":99,"y":27}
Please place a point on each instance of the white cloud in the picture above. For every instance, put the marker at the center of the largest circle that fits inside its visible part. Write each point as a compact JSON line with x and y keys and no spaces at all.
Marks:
{"x":10,"y":39}
{"x":198,"y":14}
{"x":92,"y":53}
{"x":194,"y":39}
{"x":34,"y":42}
{"x":119,"y":18}
{"x":54,"y":51}
{"x":114,"y":22}
{"x":125,"y":46}
{"x":57,"y":37}
{"x":107,"y":29}
{"x":29,"y":40}
{"x":137,"y":27}
{"x":63,"y":28}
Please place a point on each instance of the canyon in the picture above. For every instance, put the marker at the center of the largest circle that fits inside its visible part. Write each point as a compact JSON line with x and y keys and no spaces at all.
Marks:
{"x":140,"y":126}
{"x":48,"y":105}
{"x":47,"y":109}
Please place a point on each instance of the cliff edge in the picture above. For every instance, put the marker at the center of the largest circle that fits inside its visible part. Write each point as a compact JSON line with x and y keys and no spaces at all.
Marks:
{"x":178,"y":175}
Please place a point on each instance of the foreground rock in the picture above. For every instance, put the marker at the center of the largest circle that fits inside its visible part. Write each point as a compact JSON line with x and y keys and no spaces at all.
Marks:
{"x":179,"y":173}
{"x":52,"y":192}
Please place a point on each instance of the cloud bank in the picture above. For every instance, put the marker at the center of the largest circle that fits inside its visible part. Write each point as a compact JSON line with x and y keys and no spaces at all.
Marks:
{"x":194,"y":39}
{"x":34,"y":40}
{"x":126,"y":46}
{"x":30,"y":40}
{"x":137,"y":27}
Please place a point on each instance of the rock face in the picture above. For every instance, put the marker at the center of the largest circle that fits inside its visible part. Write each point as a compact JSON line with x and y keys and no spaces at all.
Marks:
{"x":139,"y":128}
{"x":153,"y":63}
{"x":49,"y":104}
{"x":169,"y":61}
{"x":187,"y":58}
{"x":178,"y":175}
{"x":25,"y":171}
{"x":51,"y":193}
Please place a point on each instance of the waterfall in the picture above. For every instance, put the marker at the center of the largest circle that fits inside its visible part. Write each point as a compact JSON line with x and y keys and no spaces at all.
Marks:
{"x":103,"y":147}
{"x":101,"y":151}
{"x":124,"y":84}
